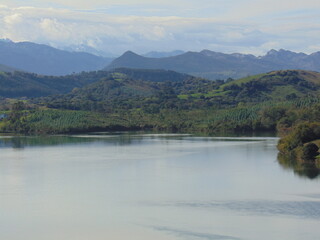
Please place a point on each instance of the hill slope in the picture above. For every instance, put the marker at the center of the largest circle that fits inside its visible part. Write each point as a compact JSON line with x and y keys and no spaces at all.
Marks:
{"x":4,"y":68}
{"x":115,"y":101}
{"x":120,"y":91}
{"x":42,"y":59}
{"x":152,"y":75}
{"x":275,"y":86}
{"x":214,"y":65}
{"x":21,"y":84}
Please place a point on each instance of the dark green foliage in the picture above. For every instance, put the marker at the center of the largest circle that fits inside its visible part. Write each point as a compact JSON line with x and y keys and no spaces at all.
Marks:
{"x":270,"y":116}
{"x":16,"y":119}
{"x":299,"y":148}
{"x":309,"y":151}
{"x":152,"y":75}
{"x":298,"y":142}
{"x":21,"y":84}
{"x":117,"y":91}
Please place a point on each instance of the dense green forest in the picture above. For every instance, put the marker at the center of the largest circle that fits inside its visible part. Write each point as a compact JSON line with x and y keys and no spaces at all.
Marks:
{"x":127,"y":99}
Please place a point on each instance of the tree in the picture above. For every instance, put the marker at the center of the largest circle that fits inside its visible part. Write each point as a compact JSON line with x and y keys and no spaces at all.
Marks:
{"x":16,"y":111}
{"x":309,"y":151}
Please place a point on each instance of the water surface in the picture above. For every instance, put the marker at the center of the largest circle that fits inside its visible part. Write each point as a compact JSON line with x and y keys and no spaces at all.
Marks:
{"x":153,"y":186}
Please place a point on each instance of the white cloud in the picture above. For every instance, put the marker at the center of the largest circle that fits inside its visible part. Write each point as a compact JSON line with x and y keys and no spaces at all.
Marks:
{"x":232,"y":31}
{"x":15,"y":18}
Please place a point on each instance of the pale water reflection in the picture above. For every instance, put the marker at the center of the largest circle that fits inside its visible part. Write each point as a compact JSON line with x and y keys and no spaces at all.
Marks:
{"x":152,"y":186}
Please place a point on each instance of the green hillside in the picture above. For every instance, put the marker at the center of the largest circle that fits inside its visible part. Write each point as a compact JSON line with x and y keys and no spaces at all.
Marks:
{"x":275,"y":100}
{"x":272,"y":86}
{"x":22,"y":84}
{"x":120,"y":91}
{"x":152,"y":75}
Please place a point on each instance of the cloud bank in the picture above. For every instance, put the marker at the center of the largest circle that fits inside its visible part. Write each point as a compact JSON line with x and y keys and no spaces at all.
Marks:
{"x":228,"y":26}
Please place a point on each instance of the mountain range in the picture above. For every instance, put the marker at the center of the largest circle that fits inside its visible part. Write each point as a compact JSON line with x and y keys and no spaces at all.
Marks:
{"x":46,"y":60}
{"x":215,"y":65}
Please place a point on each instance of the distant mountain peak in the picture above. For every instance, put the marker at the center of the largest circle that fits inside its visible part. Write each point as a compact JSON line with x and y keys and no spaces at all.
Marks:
{"x":6,"y":40}
{"x":156,"y":54}
{"x":209,"y":53}
{"x":130,"y":53}
{"x":272,"y":52}
{"x":283,"y":52}
{"x":217,"y":65}
{"x":241,"y":55}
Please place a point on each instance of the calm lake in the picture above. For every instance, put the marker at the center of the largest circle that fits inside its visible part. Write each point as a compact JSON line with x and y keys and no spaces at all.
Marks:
{"x":154,"y":187}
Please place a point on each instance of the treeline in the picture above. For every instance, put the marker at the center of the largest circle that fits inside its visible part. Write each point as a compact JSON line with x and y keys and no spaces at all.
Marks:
{"x":268,"y":116}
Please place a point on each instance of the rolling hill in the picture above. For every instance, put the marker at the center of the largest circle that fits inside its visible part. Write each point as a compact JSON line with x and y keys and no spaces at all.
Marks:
{"x":22,"y":84}
{"x":152,"y":75}
{"x":119,"y":91}
{"x":275,"y":86}
{"x":215,"y":65}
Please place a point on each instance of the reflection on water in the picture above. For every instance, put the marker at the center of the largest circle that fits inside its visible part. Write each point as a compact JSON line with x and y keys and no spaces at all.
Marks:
{"x":303,"y":169}
{"x":152,"y":186}
{"x":304,"y":209}
{"x":122,"y":138}
{"x":32,"y":141}
{"x":194,"y":235}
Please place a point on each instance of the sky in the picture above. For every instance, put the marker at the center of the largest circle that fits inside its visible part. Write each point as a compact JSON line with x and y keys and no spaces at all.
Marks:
{"x":115,"y":26}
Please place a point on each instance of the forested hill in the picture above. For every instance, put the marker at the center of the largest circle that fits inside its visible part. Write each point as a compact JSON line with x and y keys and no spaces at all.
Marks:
{"x":275,"y":86}
{"x":215,"y":65}
{"x":103,"y":101}
{"x":22,"y":84}
{"x":153,"y":75}
{"x":119,"y":91}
